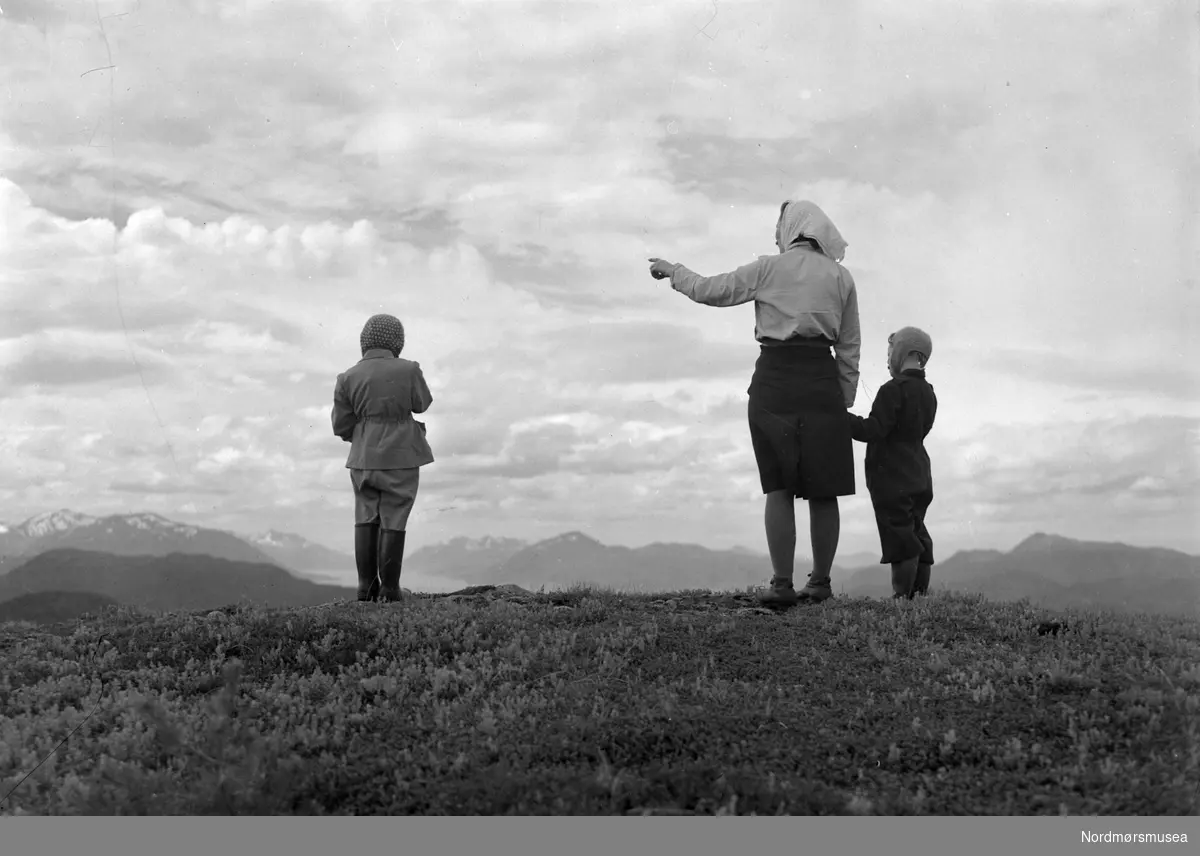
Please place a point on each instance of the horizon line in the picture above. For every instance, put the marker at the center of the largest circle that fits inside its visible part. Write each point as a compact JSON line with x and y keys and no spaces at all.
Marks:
{"x":526,"y":543}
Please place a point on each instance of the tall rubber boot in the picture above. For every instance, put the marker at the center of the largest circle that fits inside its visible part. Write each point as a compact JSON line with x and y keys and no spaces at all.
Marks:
{"x":366,"y":557}
{"x":921,"y":583}
{"x":904,"y":574}
{"x":391,"y":560}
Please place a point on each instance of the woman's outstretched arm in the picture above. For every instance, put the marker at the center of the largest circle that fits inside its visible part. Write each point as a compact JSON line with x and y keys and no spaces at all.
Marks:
{"x":726,"y":289}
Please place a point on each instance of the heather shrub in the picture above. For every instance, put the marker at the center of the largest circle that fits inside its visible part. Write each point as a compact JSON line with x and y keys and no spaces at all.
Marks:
{"x":592,"y":702}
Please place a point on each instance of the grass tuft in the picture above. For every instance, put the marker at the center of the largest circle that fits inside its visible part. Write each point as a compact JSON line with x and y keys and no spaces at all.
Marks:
{"x":590,"y":701}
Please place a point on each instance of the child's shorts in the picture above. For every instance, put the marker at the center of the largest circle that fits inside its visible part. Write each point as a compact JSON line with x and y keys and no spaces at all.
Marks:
{"x":385,"y":497}
{"x":902,"y":532}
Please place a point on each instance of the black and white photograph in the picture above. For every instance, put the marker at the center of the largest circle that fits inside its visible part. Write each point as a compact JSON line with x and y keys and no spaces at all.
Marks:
{"x":627,"y":408}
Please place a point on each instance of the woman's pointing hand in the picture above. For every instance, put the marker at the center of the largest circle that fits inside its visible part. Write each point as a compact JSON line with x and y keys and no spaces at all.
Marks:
{"x":660,"y":269}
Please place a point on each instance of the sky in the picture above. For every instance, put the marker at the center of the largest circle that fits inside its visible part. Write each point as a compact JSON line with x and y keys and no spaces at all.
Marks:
{"x":202,"y":202}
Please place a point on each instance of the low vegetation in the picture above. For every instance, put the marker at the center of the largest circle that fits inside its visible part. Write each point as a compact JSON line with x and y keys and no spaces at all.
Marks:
{"x":592,"y":702}
{"x":52,"y":607}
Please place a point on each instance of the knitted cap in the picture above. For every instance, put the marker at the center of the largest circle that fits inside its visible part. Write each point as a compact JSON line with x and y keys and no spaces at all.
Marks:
{"x":382,"y":331}
{"x":907,"y":340}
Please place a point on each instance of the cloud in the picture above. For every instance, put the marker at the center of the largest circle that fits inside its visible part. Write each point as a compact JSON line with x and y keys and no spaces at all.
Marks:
{"x":1095,"y":373}
{"x":151,"y":489}
{"x":1074,"y":475}
{"x":70,"y":358}
{"x":52,"y":370}
{"x":612,"y":352}
{"x":186,"y":260}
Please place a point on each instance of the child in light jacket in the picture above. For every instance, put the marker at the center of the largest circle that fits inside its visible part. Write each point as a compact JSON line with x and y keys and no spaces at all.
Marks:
{"x":373,"y":406}
{"x":898,"y":473}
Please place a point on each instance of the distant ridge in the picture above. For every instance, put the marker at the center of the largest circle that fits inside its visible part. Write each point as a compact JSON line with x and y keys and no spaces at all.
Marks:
{"x":1045,"y":568}
{"x":1059,"y":572}
{"x":469,"y":559}
{"x":575,"y":557}
{"x":179,"y":581}
{"x":150,"y":534}
{"x":140,"y":534}
{"x":296,"y":553}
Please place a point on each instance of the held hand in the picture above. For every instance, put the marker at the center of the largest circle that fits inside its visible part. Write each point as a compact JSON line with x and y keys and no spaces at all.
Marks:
{"x":660,"y":269}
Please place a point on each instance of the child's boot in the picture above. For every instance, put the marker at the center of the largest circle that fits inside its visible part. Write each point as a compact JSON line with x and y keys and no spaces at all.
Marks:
{"x":921,"y":583}
{"x":391,"y":559}
{"x":903,"y":577}
{"x":366,"y":557}
{"x":780,"y":593}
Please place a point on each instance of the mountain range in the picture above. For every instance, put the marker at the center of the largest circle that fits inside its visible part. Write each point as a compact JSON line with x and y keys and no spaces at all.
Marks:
{"x":177,"y":581}
{"x":1049,"y":570}
{"x":1058,"y":573}
{"x":148,"y":560}
{"x":574,"y":557}
{"x":143,"y":534}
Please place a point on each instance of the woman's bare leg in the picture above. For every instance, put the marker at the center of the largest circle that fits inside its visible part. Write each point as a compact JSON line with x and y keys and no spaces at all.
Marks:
{"x":780,"y":520}
{"x":824,"y":525}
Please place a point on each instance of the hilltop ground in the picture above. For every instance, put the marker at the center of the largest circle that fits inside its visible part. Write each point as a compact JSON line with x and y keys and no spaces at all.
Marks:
{"x":589,"y":702}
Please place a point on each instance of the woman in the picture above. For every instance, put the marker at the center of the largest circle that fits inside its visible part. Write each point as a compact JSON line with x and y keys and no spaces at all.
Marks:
{"x":373,"y":406}
{"x":805,"y":303}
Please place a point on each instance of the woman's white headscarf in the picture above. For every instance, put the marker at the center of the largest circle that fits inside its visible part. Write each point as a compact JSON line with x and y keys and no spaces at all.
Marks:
{"x":803,"y":219}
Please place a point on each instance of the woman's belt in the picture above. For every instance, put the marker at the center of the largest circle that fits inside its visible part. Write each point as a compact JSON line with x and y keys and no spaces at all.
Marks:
{"x":797,"y":342}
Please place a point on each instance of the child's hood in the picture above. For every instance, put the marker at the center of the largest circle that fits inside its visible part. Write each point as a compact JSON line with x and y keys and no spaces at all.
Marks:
{"x":906,"y":340}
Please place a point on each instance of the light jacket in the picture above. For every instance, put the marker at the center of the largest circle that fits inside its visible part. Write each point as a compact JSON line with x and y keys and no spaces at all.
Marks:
{"x":801,"y":292}
{"x":373,"y":406}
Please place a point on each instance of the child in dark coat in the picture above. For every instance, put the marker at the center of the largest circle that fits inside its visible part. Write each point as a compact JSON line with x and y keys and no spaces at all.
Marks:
{"x":898,"y":474}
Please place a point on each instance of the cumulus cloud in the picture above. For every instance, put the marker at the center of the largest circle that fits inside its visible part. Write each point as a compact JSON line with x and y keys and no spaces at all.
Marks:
{"x":1144,"y":372}
{"x":1091,"y":479}
{"x":184,"y":269}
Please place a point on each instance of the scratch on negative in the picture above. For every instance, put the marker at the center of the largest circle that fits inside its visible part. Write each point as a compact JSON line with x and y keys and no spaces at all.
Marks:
{"x":701,"y":31}
{"x":112,"y":149}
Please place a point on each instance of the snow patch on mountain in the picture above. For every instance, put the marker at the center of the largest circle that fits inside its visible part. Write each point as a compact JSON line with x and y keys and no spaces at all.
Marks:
{"x":275,"y":538}
{"x":149,"y":521}
{"x":63,"y":520}
{"x":573,"y":538}
{"x":486,"y":542}
{"x":269,"y":539}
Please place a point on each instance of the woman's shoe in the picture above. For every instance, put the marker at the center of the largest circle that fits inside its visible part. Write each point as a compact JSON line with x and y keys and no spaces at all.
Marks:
{"x":780,"y":593}
{"x":815,"y":590}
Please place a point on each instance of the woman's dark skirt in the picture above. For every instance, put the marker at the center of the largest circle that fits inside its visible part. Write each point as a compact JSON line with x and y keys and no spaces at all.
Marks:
{"x":798,"y":422}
